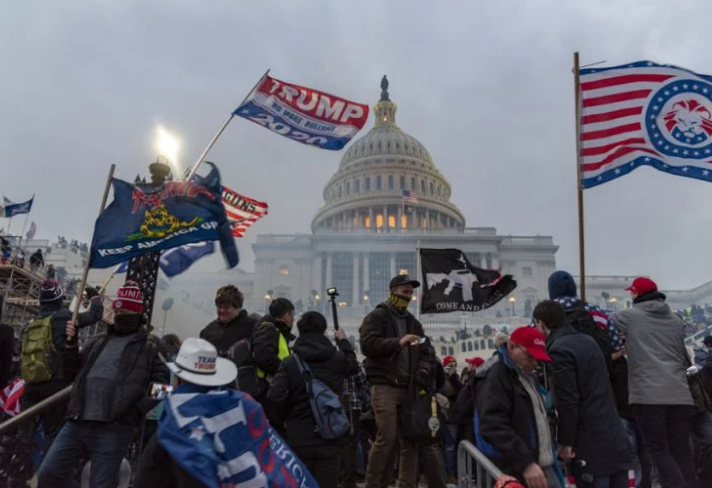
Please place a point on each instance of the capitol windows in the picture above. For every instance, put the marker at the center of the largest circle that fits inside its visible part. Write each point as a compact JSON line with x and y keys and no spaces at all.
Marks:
{"x":527,"y":271}
{"x":402,"y":182}
{"x":404,"y":221}
{"x":368,"y":183}
{"x":451,"y":351}
{"x":348,"y":187}
{"x":284,"y":270}
{"x":463,"y":347}
{"x":378,"y":182}
{"x":379,"y":221}
{"x":339,"y":192}
{"x":443,"y":351}
{"x":357,"y":186}
{"x":367,"y":221}
{"x":390,"y":182}
{"x":431,"y":188}
{"x":391,"y":221}
{"x":422,"y":186}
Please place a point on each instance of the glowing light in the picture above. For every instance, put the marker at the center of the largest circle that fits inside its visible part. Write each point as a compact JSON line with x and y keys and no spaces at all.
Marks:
{"x":512,"y":299}
{"x":167,"y":146}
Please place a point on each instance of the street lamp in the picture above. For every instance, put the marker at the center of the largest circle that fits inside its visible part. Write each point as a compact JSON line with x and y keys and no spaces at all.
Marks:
{"x":168,"y":145}
{"x":268,"y":298}
{"x":512,"y":300}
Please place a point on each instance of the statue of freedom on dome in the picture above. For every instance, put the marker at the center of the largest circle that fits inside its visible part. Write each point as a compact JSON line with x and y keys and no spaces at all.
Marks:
{"x":384,"y":89}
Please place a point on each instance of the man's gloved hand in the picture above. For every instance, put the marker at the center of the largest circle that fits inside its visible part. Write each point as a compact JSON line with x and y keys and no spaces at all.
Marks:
{"x":91,"y":292}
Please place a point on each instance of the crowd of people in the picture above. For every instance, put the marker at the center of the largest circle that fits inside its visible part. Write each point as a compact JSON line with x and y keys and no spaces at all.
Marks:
{"x":576,"y":393}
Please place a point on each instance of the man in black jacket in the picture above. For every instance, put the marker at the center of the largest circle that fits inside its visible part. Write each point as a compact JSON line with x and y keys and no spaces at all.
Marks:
{"x":51,"y":296}
{"x":511,"y":425}
{"x":589,"y":428}
{"x":396,"y":353}
{"x":272,"y":337}
{"x":109,"y":397}
{"x":233,"y":323}
{"x":289,"y":395}
{"x":7,"y":349}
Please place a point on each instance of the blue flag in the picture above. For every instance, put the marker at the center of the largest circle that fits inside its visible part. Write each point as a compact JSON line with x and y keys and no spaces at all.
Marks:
{"x":122,"y":268}
{"x":18,"y":208}
{"x":144,"y":218}
{"x":174,"y":261}
{"x":224,"y":440}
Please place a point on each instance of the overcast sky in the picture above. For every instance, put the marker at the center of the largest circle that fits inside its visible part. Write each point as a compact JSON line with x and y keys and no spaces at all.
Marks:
{"x":485,"y":86}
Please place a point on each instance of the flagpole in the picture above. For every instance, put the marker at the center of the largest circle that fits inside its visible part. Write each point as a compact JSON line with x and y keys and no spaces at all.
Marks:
{"x":85,"y":275}
{"x":220,"y":131}
{"x":419,"y":293}
{"x":579,"y":183}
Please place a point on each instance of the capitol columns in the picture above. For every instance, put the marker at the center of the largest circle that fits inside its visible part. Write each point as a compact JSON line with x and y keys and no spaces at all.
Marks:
{"x":355,"y":292}
{"x":366,"y":277}
{"x":328,"y":283}
{"x":316,"y":275}
{"x":393,"y":264}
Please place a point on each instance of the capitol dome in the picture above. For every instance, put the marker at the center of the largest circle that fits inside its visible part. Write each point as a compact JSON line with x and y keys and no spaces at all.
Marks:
{"x":374,"y":175}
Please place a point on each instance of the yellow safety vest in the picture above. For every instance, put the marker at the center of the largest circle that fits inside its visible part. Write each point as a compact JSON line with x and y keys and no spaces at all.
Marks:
{"x":282,"y":353}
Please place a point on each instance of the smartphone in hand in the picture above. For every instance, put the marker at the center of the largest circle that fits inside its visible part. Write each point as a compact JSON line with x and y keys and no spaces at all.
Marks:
{"x":159,"y":391}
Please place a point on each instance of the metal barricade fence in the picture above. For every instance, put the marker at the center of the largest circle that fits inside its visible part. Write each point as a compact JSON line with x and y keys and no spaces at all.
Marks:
{"x":474,"y":470}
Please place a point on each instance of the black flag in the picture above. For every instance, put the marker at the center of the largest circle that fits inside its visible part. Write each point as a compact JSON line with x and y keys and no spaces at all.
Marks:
{"x":451,"y":283}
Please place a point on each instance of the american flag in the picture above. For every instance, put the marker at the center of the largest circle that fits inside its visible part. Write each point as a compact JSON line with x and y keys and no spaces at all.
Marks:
{"x":409,"y":197}
{"x":242,"y":211}
{"x":10,"y":397}
{"x":645,"y":114}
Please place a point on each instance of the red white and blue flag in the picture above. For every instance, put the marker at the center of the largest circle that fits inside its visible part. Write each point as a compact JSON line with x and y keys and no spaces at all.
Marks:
{"x":302,"y":114}
{"x":645,"y":114}
{"x":409,"y":197}
{"x":242,"y":211}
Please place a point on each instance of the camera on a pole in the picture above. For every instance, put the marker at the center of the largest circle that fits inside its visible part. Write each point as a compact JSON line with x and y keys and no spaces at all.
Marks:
{"x":333,"y":293}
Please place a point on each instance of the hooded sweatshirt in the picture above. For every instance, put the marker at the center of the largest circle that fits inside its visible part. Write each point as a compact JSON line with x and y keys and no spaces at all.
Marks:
{"x":655,"y":340}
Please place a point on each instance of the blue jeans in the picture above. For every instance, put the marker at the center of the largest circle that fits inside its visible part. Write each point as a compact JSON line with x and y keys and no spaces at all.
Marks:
{"x":105,"y":444}
{"x":450,"y":450}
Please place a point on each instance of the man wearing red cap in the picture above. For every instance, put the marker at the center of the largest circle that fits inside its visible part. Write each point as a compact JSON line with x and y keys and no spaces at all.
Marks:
{"x":110,"y":395}
{"x":658,"y":389}
{"x":511,"y":426}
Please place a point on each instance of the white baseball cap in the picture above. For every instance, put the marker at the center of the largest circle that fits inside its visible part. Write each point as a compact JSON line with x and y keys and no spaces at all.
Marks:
{"x":198,"y":363}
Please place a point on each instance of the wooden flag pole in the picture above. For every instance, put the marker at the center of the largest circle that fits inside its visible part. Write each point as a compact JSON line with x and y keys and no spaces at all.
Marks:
{"x":579,"y":183}
{"x":220,"y":131}
{"x":85,"y":275}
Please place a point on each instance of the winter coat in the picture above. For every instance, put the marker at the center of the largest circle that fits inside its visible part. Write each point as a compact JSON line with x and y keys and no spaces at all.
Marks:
{"x":380,"y":343}
{"x":655,"y":341}
{"x":157,"y":469}
{"x":587,"y":417}
{"x":288,"y":389}
{"x":265,"y":343}
{"x":450,"y":389}
{"x":505,"y":426}
{"x":59,"y":328}
{"x":465,"y":403}
{"x":7,"y":351}
{"x":223,"y":336}
{"x":142,"y":365}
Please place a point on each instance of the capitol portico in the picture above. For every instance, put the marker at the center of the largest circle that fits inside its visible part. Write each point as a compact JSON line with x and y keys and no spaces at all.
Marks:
{"x":365,"y":233}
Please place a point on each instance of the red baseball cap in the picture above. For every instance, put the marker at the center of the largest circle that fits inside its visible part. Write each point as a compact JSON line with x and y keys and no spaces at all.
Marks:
{"x":447,"y":360}
{"x":642,"y":285}
{"x":531,"y":339}
{"x":475,"y":361}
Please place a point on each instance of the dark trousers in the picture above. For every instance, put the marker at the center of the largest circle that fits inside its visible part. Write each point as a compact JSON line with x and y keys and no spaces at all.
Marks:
{"x":667,"y":432}
{"x":52,"y":418}
{"x":642,"y":465}
{"x":105,"y":444}
{"x":450,"y":449}
{"x":322,"y":462}
{"x":348,"y":465}
{"x":618,"y":480}
{"x":702,"y":437}
{"x":432,"y":465}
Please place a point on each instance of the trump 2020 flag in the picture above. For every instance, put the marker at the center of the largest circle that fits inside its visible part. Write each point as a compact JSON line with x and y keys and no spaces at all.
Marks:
{"x":175,"y":261}
{"x":223,"y":439}
{"x":451,"y":283}
{"x":644,"y":114}
{"x":143,"y":218}
{"x":303,"y":114}
{"x":18,"y":208}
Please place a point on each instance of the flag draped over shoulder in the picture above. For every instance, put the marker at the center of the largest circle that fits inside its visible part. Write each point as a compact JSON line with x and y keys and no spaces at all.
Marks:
{"x":224,"y":440}
{"x":143,"y":218}
{"x":451,"y":283}
{"x":644,"y":114}
{"x":303,"y":114}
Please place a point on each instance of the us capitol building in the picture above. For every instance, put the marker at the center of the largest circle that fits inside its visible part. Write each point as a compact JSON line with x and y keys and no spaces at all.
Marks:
{"x":364,"y":234}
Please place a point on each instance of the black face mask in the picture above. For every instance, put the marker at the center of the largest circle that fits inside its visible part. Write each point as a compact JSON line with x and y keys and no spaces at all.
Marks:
{"x":127,"y":323}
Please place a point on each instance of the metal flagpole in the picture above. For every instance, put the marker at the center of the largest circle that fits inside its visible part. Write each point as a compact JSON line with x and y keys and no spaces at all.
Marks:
{"x":579,"y":183}
{"x":85,"y":275}
{"x":220,"y":131}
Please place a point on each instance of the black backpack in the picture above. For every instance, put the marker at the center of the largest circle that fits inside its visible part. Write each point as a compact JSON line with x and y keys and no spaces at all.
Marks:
{"x":241,"y":354}
{"x":582,"y":321}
